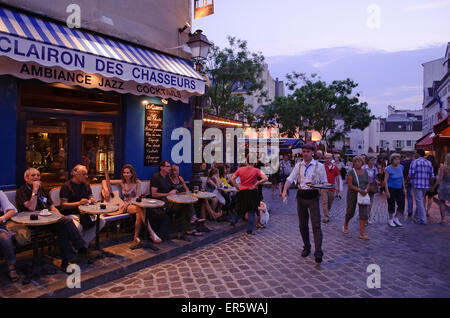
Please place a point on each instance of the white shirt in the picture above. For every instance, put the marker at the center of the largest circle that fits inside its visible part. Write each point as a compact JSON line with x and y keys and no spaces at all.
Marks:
{"x":5,"y":205}
{"x":314,"y":173}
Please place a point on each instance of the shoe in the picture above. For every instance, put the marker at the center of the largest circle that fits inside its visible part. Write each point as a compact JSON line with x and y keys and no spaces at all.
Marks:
{"x":12,"y":274}
{"x":364,"y":237}
{"x":155,"y":238}
{"x":318,"y":259}
{"x":397,"y":222}
{"x":306,"y":252}
{"x":420,"y":222}
{"x":345,"y":231}
{"x":326,"y":220}
{"x":391,"y":223}
{"x":249,"y":232}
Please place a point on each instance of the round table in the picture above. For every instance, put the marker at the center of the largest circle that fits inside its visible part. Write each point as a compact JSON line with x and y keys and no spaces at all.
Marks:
{"x":94,"y":209}
{"x":182,"y":199}
{"x":229,"y":189}
{"x":24,"y":219}
{"x":204,"y":195}
{"x":148,"y":204}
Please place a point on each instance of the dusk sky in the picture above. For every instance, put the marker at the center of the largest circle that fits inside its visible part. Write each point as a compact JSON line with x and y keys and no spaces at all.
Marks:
{"x":325,"y":36}
{"x":293,"y":26}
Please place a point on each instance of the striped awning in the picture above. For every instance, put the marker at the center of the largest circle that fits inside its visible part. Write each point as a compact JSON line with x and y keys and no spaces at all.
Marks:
{"x":136,"y":61}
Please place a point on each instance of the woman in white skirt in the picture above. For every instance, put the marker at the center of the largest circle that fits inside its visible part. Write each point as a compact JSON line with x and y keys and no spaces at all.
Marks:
{"x":338,"y":162}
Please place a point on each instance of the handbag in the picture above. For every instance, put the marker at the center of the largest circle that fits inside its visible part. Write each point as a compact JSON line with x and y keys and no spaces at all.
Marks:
{"x":86,"y":221}
{"x":362,"y":199}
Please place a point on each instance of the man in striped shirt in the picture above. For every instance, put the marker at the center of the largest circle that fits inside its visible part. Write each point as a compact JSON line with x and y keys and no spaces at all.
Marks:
{"x":420,"y":173}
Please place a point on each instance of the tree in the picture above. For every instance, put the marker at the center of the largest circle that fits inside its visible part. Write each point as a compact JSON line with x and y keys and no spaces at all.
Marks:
{"x":230,"y":70}
{"x":320,"y":103}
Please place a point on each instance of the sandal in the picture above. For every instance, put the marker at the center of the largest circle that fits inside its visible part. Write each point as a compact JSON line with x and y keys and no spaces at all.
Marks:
{"x":217,"y":215}
{"x":12,"y":274}
{"x":345,"y":231}
{"x":364,"y":237}
{"x":155,"y":238}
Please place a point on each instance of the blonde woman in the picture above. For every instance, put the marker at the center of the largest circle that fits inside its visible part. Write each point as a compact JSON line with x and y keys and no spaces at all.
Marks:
{"x":131,"y":189}
{"x":443,"y":182}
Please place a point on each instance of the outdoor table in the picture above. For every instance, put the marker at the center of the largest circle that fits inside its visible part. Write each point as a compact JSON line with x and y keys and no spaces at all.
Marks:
{"x":204,"y":195}
{"x":24,"y":218}
{"x":94,"y":209}
{"x":229,"y":189}
{"x":148,"y":204}
{"x":182,"y":199}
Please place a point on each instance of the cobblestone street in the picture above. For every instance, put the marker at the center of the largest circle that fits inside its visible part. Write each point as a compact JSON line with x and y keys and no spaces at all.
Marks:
{"x":414,"y":261}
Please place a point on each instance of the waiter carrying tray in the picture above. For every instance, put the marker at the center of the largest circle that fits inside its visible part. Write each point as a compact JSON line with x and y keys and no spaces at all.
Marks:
{"x":306,"y":173}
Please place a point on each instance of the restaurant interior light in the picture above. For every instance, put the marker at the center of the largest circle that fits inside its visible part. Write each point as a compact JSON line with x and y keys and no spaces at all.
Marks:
{"x":185,"y":26}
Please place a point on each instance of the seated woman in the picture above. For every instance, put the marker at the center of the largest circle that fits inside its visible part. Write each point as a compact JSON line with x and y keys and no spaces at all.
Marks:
{"x":212,"y":185}
{"x":179,"y":185}
{"x":6,"y":245}
{"x":131,"y":188}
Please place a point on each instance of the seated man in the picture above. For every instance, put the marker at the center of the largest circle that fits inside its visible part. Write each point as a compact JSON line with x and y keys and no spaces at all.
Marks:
{"x":161,"y":188}
{"x":33,"y":197}
{"x":6,"y":246}
{"x":74,"y":193}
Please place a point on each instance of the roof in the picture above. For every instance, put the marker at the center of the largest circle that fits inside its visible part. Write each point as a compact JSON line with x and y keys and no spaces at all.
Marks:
{"x":426,"y":142}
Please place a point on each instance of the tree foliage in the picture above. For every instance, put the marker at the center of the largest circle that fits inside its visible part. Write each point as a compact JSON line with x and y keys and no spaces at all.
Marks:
{"x":231,"y":70}
{"x":321,"y":104}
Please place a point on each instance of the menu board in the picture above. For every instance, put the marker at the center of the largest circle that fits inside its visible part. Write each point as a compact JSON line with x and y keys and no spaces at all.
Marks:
{"x":153,"y":134}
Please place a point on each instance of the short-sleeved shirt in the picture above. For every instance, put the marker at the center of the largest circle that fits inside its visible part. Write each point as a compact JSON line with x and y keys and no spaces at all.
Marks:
{"x":23,"y":194}
{"x":395,"y":176}
{"x":249,"y":176}
{"x":420,"y":172}
{"x":164,"y":185}
{"x":332,"y":173}
{"x":74,"y":192}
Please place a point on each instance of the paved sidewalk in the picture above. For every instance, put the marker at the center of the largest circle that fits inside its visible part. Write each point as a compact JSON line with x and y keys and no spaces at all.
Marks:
{"x":414,"y":261}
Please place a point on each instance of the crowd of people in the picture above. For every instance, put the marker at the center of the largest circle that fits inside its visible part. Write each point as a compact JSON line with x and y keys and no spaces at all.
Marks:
{"x":397,"y":177}
{"x":75,"y":230}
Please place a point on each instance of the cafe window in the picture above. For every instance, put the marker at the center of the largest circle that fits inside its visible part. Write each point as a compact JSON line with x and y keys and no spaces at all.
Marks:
{"x":97,"y":152}
{"x":46,"y":148}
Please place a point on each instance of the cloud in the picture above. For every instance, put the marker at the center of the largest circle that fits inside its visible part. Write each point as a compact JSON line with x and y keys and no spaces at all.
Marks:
{"x":429,"y":6}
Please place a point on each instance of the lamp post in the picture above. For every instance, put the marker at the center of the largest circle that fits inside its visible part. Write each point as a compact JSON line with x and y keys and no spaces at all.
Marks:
{"x":199,"y":45}
{"x":305,"y":122}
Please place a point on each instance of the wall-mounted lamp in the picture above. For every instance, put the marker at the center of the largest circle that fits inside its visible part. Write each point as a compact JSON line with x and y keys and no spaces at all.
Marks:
{"x":164,"y":101}
{"x":186,"y":25}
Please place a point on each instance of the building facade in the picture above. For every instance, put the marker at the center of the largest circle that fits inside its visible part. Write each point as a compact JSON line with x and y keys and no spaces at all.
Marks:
{"x":106,"y":94}
{"x":436,"y":91}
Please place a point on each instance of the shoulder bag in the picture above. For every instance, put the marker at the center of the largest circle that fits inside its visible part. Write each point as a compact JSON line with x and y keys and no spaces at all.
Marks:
{"x":362,"y":199}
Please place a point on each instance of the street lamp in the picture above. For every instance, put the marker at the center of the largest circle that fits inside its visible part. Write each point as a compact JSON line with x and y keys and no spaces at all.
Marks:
{"x":199,"y":45}
{"x":305,"y":122}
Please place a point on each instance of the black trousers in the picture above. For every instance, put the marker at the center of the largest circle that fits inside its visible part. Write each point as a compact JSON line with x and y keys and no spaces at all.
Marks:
{"x":305,"y":209}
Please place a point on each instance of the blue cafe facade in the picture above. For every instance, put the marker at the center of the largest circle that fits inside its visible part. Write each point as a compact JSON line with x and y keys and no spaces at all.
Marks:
{"x":69,"y":96}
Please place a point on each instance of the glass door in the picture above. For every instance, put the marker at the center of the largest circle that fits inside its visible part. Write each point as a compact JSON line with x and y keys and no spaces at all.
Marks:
{"x":97,"y":148}
{"x":46,"y":148}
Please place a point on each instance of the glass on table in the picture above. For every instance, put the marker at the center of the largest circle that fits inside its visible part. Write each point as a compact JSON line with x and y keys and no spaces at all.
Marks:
{"x":195,"y":189}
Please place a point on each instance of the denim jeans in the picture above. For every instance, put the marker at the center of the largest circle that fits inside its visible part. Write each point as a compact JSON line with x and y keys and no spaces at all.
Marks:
{"x":7,"y":247}
{"x":409,"y":198}
{"x":419,"y":195}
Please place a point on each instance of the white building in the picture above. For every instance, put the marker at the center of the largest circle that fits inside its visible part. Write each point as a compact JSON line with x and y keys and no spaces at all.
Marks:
{"x":436,"y":82}
{"x":398,"y":132}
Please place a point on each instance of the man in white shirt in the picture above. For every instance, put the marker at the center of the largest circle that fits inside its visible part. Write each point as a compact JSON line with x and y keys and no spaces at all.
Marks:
{"x":305,"y":173}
